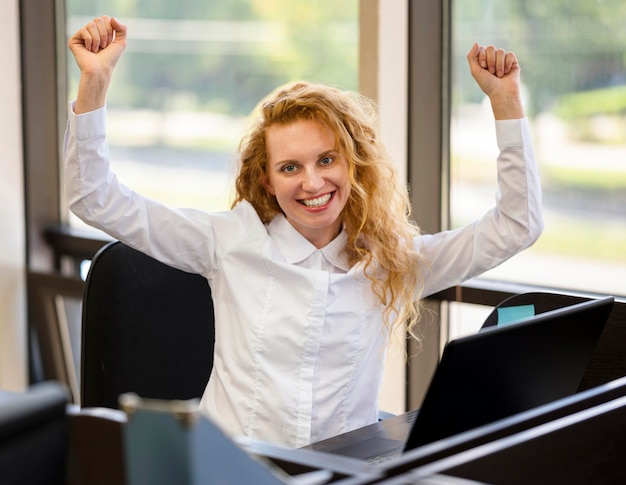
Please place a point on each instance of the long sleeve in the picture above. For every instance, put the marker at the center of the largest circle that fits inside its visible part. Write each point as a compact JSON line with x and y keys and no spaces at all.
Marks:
{"x":183,"y":238}
{"x":513,"y":225}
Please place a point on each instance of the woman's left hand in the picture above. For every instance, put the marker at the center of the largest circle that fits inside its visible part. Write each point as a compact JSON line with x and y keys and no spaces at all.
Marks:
{"x":497,"y":73}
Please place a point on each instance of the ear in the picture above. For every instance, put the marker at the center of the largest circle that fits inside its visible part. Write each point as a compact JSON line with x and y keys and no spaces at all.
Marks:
{"x":265,"y":181}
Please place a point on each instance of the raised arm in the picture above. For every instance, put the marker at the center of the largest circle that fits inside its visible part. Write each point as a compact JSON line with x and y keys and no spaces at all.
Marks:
{"x":178,"y":237}
{"x":97,"y":48}
{"x":516,"y":221}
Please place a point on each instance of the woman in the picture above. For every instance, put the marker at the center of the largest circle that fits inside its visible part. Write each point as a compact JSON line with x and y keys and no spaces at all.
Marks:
{"x":317,"y":259}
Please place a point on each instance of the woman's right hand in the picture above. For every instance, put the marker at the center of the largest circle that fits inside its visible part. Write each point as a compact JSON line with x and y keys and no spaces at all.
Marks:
{"x":97,"y":48}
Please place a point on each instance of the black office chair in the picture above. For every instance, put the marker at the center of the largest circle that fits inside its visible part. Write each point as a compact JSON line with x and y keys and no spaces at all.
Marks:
{"x":542,"y":301}
{"x":147,"y":328}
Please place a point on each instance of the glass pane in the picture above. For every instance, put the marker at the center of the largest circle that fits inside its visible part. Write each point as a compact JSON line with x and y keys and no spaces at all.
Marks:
{"x":465,"y":319}
{"x":193,"y":71}
{"x":573,"y":58}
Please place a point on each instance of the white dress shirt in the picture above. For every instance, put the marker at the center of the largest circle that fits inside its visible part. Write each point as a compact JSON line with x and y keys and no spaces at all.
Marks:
{"x":299,"y":339}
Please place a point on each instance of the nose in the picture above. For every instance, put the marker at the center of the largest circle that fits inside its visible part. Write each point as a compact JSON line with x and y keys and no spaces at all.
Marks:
{"x":312,"y":181}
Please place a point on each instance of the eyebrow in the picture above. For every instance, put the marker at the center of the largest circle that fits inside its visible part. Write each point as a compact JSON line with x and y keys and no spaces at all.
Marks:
{"x":321,"y":155}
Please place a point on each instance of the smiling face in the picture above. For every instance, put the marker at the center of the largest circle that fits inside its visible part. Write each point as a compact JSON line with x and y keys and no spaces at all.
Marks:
{"x":309,"y":178}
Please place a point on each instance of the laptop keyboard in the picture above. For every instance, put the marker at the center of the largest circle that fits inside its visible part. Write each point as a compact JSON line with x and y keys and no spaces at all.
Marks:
{"x":379,"y":460}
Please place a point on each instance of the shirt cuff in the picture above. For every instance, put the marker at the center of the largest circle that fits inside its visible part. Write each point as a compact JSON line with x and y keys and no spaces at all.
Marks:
{"x":87,"y":125}
{"x":512,"y":133}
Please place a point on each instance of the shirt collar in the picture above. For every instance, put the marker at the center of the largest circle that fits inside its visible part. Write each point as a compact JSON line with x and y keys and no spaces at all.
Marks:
{"x":296,"y":248}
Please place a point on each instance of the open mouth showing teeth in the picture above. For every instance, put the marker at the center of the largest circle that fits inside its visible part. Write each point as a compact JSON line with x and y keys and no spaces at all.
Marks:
{"x":318,"y":201}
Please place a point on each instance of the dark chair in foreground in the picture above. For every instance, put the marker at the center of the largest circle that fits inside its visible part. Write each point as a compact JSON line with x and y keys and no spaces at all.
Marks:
{"x":33,"y":435}
{"x":147,"y":328}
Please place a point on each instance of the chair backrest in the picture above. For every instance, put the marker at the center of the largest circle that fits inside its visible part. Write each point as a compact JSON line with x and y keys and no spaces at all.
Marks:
{"x":147,"y":328}
{"x":542,"y":301}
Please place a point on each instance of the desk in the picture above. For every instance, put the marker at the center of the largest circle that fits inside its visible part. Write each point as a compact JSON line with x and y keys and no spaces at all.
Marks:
{"x":586,"y":447}
{"x":587,"y":430}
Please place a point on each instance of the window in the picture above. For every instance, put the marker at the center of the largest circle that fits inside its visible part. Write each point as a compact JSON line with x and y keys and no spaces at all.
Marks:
{"x":177,"y":107}
{"x":192,"y":73}
{"x":574,"y":75}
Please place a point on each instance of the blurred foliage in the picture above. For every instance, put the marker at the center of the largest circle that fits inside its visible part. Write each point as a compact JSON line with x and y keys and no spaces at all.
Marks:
{"x":564,"y":46}
{"x":597,"y":115}
{"x":225,"y":56}
{"x":609,"y":101}
{"x":573,"y":59}
{"x":588,"y":178}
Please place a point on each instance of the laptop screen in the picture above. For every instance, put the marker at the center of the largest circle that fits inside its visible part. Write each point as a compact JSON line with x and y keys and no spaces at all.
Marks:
{"x":505,"y":370}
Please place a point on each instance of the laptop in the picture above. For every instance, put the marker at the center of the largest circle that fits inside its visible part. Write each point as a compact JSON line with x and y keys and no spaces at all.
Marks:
{"x":495,"y":373}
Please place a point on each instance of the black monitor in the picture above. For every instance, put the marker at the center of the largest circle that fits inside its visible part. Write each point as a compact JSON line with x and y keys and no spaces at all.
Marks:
{"x":33,"y":435}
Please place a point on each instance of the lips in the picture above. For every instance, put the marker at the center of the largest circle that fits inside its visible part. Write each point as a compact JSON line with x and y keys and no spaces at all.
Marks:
{"x":316,"y":202}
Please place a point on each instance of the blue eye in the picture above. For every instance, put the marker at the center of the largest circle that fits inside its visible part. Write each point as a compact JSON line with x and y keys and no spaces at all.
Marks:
{"x":288,"y":168}
{"x":326,"y":160}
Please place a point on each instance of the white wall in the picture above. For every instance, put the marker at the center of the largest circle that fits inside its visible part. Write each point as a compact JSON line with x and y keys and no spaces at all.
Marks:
{"x":13,"y":353}
{"x":393,"y":111}
{"x":393,"y":79}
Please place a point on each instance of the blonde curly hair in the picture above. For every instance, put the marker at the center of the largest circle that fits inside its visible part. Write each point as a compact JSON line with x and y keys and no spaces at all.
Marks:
{"x":377,"y":215}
